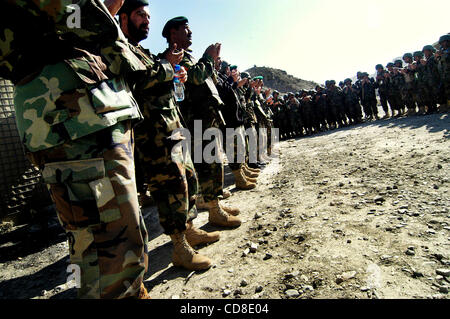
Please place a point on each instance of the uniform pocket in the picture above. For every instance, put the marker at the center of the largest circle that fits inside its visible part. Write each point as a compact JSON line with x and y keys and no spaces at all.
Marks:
{"x":83,"y":193}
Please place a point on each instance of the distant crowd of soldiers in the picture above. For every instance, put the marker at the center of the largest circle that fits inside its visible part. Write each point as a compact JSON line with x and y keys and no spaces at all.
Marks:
{"x":416,"y":87}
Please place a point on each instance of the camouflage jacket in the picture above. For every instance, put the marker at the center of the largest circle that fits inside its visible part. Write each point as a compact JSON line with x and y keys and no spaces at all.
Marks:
{"x":154,"y":91}
{"x":368,"y":91}
{"x":432,"y":72}
{"x":381,"y":83}
{"x":444,"y":66}
{"x":350,"y":96}
{"x":202,"y":100}
{"x":74,"y":84}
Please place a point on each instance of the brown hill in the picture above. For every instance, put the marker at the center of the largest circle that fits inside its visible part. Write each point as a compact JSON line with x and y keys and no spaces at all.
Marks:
{"x":279,"y":80}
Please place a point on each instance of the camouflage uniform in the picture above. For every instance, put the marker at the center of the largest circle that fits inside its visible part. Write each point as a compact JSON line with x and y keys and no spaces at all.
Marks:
{"x":444,"y":71}
{"x":170,"y":176}
{"x":369,"y":99}
{"x":202,"y":102}
{"x":74,"y":112}
{"x":352,"y":102}
{"x":410,"y":86}
{"x":432,"y":83}
{"x":382,"y":86}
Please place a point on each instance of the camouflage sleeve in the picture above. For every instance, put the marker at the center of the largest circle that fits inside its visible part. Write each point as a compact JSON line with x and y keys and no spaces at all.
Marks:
{"x":199,"y":72}
{"x":157,"y":70}
{"x":56,"y":10}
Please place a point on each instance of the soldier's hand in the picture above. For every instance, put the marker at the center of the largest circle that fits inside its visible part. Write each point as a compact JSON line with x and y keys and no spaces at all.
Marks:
{"x":242,"y":82}
{"x":212,"y":51}
{"x":174,"y":56}
{"x":423,"y":62}
{"x":182,"y":75}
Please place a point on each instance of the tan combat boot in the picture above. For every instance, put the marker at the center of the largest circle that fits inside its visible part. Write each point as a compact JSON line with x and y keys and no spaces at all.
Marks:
{"x":226,"y":194}
{"x":249,"y":173}
{"x":185,"y":256}
{"x":253,"y":170}
{"x":241,"y":182}
{"x":248,"y":178}
{"x":195,"y":236}
{"x":230,"y":210}
{"x":218,"y":217}
{"x":386,"y":116}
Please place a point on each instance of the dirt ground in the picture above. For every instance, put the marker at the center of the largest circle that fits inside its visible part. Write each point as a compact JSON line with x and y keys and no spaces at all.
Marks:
{"x":358,"y":212}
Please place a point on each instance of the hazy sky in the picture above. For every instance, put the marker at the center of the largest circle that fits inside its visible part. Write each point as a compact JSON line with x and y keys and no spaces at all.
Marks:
{"x":314,"y":40}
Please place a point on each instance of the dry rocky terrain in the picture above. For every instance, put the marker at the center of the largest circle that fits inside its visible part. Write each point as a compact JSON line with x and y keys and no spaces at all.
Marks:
{"x":358,"y":212}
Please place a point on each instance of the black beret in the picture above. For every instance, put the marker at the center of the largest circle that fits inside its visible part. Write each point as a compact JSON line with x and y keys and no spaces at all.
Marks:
{"x":130,"y":5}
{"x":173,"y":23}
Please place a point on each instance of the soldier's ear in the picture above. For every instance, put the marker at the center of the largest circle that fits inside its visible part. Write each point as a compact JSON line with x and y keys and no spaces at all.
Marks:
{"x":123,"y":19}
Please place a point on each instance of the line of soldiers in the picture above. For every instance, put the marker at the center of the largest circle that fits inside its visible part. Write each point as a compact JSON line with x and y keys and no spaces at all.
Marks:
{"x":97,"y":114}
{"x":416,"y":88}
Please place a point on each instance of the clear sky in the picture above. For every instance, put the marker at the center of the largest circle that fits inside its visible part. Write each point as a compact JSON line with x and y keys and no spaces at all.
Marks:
{"x":313,"y":40}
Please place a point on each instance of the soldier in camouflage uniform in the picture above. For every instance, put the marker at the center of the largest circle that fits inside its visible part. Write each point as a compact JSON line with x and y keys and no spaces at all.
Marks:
{"x":352,"y":102}
{"x":203,"y":103}
{"x":368,"y":97}
{"x":169,"y":174}
{"x":431,"y":78}
{"x":382,"y":86}
{"x":443,"y":59}
{"x":295,"y":116}
{"x":74,"y":112}
{"x":399,"y":82}
{"x":233,"y":113}
{"x":392,"y":91}
{"x":409,"y":90}
{"x":421,"y":89}
{"x":320,"y":100}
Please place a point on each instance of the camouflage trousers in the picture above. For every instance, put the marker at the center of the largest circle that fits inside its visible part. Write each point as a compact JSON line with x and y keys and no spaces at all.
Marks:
{"x":238,"y":146}
{"x":210,"y":175}
{"x":92,"y":183}
{"x":169,"y":173}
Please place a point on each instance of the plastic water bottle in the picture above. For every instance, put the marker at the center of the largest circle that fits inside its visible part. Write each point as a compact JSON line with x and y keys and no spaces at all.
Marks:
{"x":178,"y":86}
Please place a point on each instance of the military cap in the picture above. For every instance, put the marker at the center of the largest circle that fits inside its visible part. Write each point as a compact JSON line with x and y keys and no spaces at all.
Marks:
{"x":245,"y":75}
{"x":364,"y":74}
{"x":233,"y":67}
{"x":131,"y":5}
{"x":407,"y":55}
{"x":418,"y":53}
{"x":290,"y":94}
{"x":445,"y":37}
{"x":332,"y":82}
{"x":276,"y":92}
{"x":348,"y":80}
{"x":327,"y":82}
{"x":341,"y":82}
{"x":224,"y":64}
{"x":379,"y":66}
{"x":429,"y":47}
{"x":398,"y":61}
{"x":173,"y":23}
{"x":390,"y":65}
{"x":259,"y":77}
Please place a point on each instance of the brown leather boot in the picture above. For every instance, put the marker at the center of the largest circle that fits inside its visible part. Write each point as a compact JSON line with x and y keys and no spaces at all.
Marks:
{"x":185,"y":256}
{"x":230,"y":210}
{"x":195,"y":236}
{"x":219,"y":217}
{"x":143,"y":294}
{"x":241,"y":182}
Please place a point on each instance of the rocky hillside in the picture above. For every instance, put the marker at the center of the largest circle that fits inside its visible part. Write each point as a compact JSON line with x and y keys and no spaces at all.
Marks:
{"x":279,"y":80}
